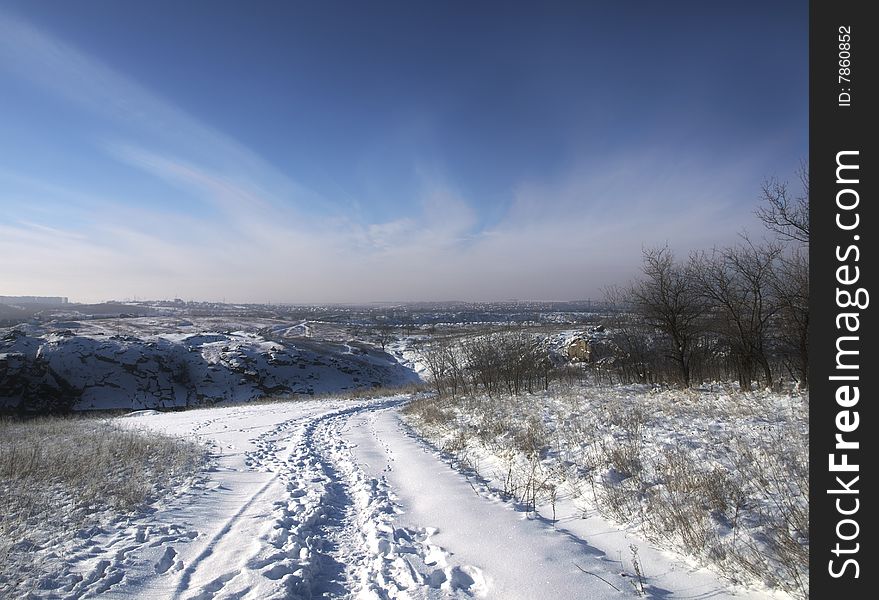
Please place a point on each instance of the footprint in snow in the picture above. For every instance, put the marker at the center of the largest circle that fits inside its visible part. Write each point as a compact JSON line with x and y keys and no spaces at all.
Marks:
{"x":166,"y":561}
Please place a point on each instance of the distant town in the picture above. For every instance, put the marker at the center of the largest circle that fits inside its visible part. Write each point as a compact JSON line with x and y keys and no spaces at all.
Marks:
{"x":51,"y":300}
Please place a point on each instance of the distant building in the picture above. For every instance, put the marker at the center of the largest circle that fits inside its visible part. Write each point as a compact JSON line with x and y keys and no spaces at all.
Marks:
{"x":50,"y":300}
{"x":579,"y":350}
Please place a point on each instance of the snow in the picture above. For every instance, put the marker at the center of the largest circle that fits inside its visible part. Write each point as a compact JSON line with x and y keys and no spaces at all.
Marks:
{"x":585,"y":437}
{"x":142,"y":413}
{"x":519,"y":557}
{"x":158,"y":363}
{"x":338,"y":498}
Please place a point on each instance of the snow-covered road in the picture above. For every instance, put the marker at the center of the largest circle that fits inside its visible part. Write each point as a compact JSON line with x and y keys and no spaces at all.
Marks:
{"x":336,"y":499}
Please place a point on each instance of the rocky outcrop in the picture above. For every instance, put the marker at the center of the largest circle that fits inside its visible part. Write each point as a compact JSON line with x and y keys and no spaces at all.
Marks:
{"x":60,"y":370}
{"x":29,"y":384}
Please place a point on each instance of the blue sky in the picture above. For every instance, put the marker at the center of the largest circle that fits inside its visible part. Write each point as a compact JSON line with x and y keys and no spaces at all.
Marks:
{"x":384,"y":151}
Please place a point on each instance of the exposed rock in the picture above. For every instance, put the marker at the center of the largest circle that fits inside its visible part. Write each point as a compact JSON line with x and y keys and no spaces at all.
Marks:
{"x":59,"y":370}
{"x":29,"y":384}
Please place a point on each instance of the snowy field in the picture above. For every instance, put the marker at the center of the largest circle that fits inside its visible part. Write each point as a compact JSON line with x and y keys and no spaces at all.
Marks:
{"x":339,"y":499}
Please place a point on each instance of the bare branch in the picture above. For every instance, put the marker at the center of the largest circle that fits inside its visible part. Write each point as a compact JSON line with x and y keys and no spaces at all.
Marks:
{"x":783,"y":214}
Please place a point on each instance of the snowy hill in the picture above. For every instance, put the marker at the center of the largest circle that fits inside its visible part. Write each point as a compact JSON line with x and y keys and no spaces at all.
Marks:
{"x":163,"y":363}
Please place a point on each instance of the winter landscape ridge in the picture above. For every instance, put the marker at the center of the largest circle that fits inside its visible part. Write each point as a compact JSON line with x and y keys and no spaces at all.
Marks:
{"x":323,"y":459}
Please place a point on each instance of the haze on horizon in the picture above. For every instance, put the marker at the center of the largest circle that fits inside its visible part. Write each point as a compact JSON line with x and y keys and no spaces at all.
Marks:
{"x":390,"y":151}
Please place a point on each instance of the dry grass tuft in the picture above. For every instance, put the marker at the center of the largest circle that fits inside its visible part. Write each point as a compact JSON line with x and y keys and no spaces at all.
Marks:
{"x":63,"y":475}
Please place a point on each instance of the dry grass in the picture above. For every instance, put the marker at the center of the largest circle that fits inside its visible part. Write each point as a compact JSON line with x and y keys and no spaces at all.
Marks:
{"x":59,"y":476}
{"x":720,"y":475}
{"x":359,"y":393}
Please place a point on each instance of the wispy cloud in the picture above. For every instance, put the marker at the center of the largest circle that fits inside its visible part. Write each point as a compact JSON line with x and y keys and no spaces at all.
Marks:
{"x":241,"y":201}
{"x":260,"y":235}
{"x":134,"y":110}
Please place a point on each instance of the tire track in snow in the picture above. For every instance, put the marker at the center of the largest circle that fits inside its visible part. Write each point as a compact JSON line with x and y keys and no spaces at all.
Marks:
{"x":192,"y":568}
{"x":318,"y":527}
{"x":382,"y":560}
{"x":333,"y":533}
{"x":237,"y":580}
{"x":295,"y":557}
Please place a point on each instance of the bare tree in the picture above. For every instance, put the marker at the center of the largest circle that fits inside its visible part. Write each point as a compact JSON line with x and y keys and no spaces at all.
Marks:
{"x":453,"y":359}
{"x":789,"y":219}
{"x":433,"y":355}
{"x":484,"y":362}
{"x":785,"y":214}
{"x":791,"y":286}
{"x":670,"y":301}
{"x":738,"y":283}
{"x":630,"y":353}
{"x":384,"y":334}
